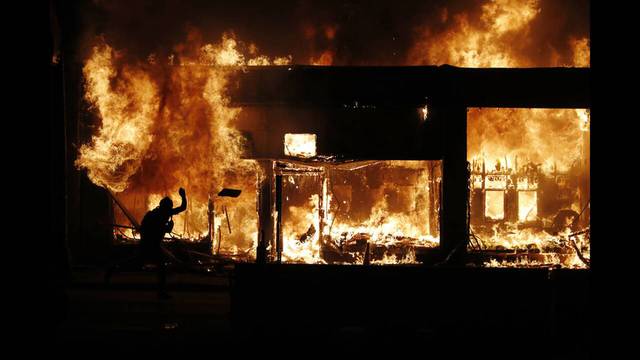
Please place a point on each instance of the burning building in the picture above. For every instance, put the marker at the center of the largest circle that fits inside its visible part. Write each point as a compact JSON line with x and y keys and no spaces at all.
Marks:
{"x":348,"y":170}
{"x":450,"y":148}
{"x":529,"y":207}
{"x":318,"y":191}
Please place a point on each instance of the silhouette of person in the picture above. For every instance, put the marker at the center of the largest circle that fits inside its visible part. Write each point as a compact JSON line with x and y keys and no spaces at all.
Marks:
{"x":155,"y":224}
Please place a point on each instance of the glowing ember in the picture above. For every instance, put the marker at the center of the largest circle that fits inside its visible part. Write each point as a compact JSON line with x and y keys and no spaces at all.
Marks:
{"x":425,"y":112}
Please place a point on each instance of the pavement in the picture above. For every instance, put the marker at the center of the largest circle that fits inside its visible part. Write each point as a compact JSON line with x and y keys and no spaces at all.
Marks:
{"x":126,"y":317}
{"x":127,"y":313}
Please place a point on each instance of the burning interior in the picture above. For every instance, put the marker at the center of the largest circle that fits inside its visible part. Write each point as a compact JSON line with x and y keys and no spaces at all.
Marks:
{"x":356,"y":212}
{"x":529,"y":186}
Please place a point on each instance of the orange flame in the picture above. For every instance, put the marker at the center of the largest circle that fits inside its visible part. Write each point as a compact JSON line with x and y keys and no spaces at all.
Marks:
{"x":164,"y":126}
{"x":498,"y":38}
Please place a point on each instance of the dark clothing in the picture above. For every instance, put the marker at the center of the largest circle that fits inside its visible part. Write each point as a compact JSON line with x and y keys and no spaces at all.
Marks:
{"x":154,"y":226}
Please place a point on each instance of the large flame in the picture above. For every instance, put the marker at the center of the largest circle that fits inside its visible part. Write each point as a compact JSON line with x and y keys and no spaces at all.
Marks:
{"x":127,"y":100}
{"x":346,"y":209}
{"x":503,"y":141}
{"x":168,"y":124}
{"x":549,"y":137}
{"x":497,"y":38}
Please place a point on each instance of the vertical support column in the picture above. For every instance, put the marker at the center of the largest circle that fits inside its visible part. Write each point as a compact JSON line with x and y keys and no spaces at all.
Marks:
{"x":431,"y":200}
{"x":278,"y":210}
{"x":511,"y":205}
{"x":477,"y":206}
{"x":265,"y":217}
{"x":324,"y":205}
{"x":585,"y":193}
{"x":434,"y":198}
{"x":60,"y":158}
{"x":211,"y":219}
{"x":453,"y":219}
{"x":484,"y":190}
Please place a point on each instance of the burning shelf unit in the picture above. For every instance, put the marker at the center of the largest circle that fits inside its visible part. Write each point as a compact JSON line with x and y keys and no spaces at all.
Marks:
{"x":503,"y":194}
{"x":507,"y":224}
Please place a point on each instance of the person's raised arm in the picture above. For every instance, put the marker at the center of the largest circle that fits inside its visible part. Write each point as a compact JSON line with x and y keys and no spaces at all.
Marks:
{"x":183,"y":205}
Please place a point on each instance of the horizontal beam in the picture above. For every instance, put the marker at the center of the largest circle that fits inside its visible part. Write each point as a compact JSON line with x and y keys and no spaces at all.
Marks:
{"x":410,"y":85}
{"x":527,"y":88}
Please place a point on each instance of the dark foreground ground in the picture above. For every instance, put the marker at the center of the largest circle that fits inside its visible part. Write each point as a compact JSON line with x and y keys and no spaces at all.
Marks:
{"x":127,"y":314}
{"x":295,"y":310}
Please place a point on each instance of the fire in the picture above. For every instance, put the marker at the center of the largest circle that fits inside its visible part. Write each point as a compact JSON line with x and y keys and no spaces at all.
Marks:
{"x":504,"y":137}
{"x":391,"y":216}
{"x":166,"y":124}
{"x":536,"y":160}
{"x":300,"y":145}
{"x":307,"y":251}
{"x":528,"y":201}
{"x":508,"y":144}
{"x":387,"y":259}
{"x":323,"y":37}
{"x":502,"y":142}
{"x":498,"y":37}
{"x":585,"y":119}
{"x":581,"y":53}
{"x":325,"y":59}
{"x":126,"y":104}
{"x":489,"y":44}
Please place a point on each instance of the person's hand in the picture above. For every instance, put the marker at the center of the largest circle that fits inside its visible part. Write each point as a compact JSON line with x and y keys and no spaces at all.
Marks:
{"x":182,"y":192}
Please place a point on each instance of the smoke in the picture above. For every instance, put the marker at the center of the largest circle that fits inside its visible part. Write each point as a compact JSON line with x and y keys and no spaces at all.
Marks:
{"x":349,"y":32}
